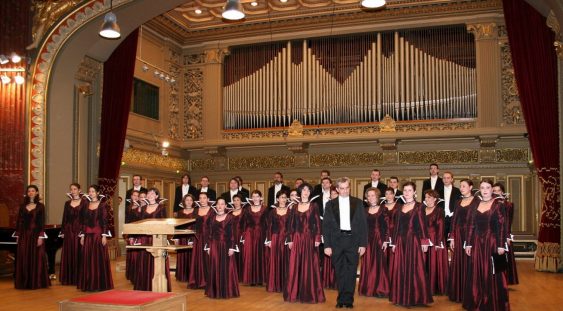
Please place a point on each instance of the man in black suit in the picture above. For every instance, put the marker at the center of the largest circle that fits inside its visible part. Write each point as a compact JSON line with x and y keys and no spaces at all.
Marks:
{"x":375,"y":183}
{"x":434,"y":182}
{"x":319,"y":188}
{"x":322,"y":201}
{"x":245,"y":192}
{"x":211,"y":194}
{"x":451,"y":195}
{"x":182,"y":190}
{"x":394,"y":183}
{"x":137,"y":185}
{"x":276,"y":187}
{"x":345,"y":239}
{"x":233,"y":190}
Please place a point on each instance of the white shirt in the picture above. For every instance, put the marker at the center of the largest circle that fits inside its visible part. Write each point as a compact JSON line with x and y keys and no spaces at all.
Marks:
{"x":447,"y":196}
{"x":185,"y":190}
{"x":374,"y":183}
{"x":233,"y":192}
{"x":204,"y":189}
{"x":433,"y":180}
{"x":137,"y":188}
{"x":344,"y":208}
{"x":277,"y":188}
{"x":326,"y":198}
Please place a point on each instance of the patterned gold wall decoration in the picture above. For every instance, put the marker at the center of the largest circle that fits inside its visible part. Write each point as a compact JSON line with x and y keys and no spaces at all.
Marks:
{"x":443,"y":156}
{"x":203,"y":164}
{"x":245,"y":163}
{"x":254,"y":134}
{"x":193,"y":103}
{"x":512,"y":155}
{"x":135,"y":157}
{"x":194,"y":59}
{"x":511,"y":108}
{"x":174,"y":101}
{"x":346,"y":159}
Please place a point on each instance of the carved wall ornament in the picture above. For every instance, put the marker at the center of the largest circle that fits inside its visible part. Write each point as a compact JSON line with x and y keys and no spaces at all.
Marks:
{"x":174,"y":100}
{"x":216,"y":56}
{"x":194,"y":59}
{"x":45,"y":13}
{"x":247,"y":163}
{"x":193,"y":104}
{"x":553,"y":23}
{"x":483,"y":31}
{"x":203,"y":164}
{"x":512,"y":109}
{"x":387,"y":124}
{"x":444,"y":156}
{"x":88,"y":70}
{"x":346,"y":159}
{"x":295,"y":129}
{"x":512,"y":155}
{"x":135,"y":157}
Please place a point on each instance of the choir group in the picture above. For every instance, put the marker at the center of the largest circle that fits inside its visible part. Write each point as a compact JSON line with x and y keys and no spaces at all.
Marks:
{"x":454,"y":242}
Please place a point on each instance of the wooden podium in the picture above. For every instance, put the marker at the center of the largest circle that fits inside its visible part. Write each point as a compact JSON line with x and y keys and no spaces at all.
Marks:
{"x":159,"y":229}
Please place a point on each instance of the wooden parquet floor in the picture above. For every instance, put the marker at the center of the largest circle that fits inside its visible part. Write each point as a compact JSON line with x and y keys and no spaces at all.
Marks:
{"x":536,"y":291}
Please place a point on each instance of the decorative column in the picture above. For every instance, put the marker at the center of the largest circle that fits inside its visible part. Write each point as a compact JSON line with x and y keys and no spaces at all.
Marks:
{"x":213,"y":93}
{"x":489,"y":90}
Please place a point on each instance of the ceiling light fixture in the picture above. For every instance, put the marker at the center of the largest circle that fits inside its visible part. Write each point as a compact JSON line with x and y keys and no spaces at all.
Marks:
{"x":373,"y":4}
{"x":15,"y":58}
{"x":283,"y":1}
{"x":19,"y":79}
{"x":110,"y":28}
{"x":233,"y":10}
{"x":254,"y":3}
{"x":5,"y":79}
{"x":3,"y":59}
{"x":198,"y":11}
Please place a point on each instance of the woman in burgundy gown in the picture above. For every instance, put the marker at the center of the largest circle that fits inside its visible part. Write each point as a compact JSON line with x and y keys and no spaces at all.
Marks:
{"x":154,"y":209}
{"x":95,"y":269}
{"x":457,"y":238}
{"x":184,"y":256}
{"x":223,"y":279}
{"x":327,"y":273}
{"x":374,"y":277}
{"x":275,"y":241}
{"x":132,"y":214}
{"x":511,"y":272}
{"x":304,"y":237}
{"x":437,"y":255}
{"x":253,"y":227}
{"x":70,"y":229}
{"x":31,"y":260}
{"x":392,"y":205}
{"x":199,"y":261}
{"x":237,"y":211}
{"x":410,"y":285}
{"x":486,"y":287}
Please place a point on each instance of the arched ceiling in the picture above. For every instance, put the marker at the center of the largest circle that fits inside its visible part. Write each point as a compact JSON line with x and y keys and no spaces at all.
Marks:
{"x":200,"y":20}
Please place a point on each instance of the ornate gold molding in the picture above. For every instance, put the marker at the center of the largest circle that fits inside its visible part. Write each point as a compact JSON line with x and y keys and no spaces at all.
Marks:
{"x":46,"y":12}
{"x":140,"y":158}
{"x":295,"y":129}
{"x":388,"y":124}
{"x":345,"y":159}
{"x":203,"y":164}
{"x":193,"y":104}
{"x":216,"y":56}
{"x":174,"y":67}
{"x":512,"y":155}
{"x":553,"y":23}
{"x":483,"y":31}
{"x":246,"y":163}
{"x":194,"y":59}
{"x":88,"y":69}
{"x":512,"y":110}
{"x":439,"y":156}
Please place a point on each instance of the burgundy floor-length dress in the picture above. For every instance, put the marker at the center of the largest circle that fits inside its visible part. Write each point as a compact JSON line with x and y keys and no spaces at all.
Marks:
{"x":253,"y":227}
{"x":95,"y":269}
{"x":511,"y":272}
{"x":437,"y":255}
{"x":199,"y":262}
{"x":391,"y":225}
{"x":277,"y":268}
{"x":304,"y":279}
{"x":238,"y":244}
{"x":223,"y":278}
{"x":184,"y":257}
{"x":31,"y":260}
{"x":145,"y":261}
{"x":460,"y":261}
{"x":410,"y":285}
{"x":328,"y":274}
{"x":374,"y":273}
{"x":486,"y":289}
{"x":132,"y":255}
{"x":71,"y":250}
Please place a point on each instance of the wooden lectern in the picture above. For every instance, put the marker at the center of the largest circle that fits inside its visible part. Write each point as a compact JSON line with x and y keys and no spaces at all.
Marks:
{"x":159,"y":229}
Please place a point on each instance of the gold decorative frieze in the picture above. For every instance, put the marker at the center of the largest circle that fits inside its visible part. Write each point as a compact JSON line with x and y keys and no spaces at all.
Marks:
{"x":203,"y":164}
{"x":193,"y":104}
{"x":246,"y":163}
{"x":254,"y":134}
{"x":346,"y":159}
{"x":512,"y":155}
{"x":511,"y":108}
{"x":135,"y":157}
{"x":435,"y":126}
{"x":442,"y":156}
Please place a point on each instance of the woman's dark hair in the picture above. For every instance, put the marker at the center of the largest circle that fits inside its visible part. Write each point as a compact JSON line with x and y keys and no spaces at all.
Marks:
{"x":221,"y":199}
{"x":95,"y":187}
{"x":280,"y":193}
{"x":467,"y":181}
{"x":500,"y":185}
{"x":432,"y":193}
{"x":155,"y":190}
{"x":389,"y":189}
{"x":409,"y":183}
{"x":27,"y":199}
{"x":488,"y":181}
{"x":256,"y":192}
{"x":77,"y":185}
{"x":300,"y":189}
{"x":237,"y":196}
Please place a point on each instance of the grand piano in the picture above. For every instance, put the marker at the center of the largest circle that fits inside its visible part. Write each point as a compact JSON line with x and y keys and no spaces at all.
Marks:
{"x":52,"y":244}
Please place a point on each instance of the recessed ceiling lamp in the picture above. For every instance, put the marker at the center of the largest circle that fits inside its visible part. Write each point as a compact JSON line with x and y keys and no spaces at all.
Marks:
{"x":283,"y":1}
{"x":254,"y":3}
{"x":197,"y":11}
{"x":110,"y":28}
{"x":233,"y":10}
{"x":373,"y":4}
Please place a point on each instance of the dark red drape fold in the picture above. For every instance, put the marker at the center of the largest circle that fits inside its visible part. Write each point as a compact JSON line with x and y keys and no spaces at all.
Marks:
{"x":535,"y":68}
{"x":116,"y":103}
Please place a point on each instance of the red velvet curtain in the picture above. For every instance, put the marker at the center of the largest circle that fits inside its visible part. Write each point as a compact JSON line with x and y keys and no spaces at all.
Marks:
{"x":116,"y":103}
{"x":535,"y":68}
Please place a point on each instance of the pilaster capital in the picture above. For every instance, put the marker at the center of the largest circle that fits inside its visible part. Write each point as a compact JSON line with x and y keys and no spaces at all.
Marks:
{"x":483,"y":31}
{"x":216,"y":55}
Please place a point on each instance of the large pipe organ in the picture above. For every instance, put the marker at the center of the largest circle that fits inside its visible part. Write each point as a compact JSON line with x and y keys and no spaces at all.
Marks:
{"x":416,"y":74}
